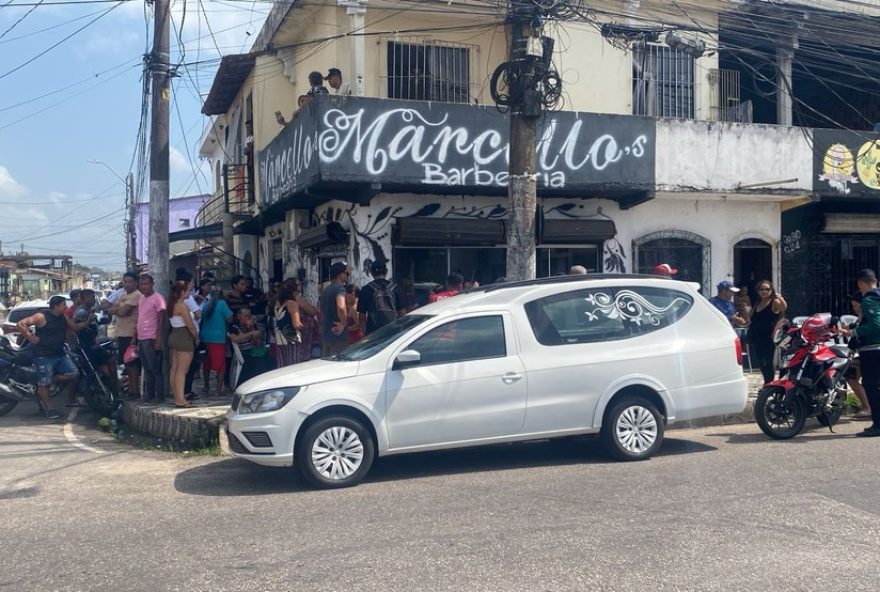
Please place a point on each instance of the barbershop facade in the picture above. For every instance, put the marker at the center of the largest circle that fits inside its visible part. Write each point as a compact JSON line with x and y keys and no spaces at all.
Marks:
{"x":423,"y":186}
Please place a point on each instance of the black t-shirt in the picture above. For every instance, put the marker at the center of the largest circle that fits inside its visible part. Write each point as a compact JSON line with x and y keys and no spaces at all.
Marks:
{"x":365,"y":302}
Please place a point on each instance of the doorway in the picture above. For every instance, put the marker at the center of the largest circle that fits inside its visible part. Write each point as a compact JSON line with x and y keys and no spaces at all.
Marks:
{"x":752,"y":263}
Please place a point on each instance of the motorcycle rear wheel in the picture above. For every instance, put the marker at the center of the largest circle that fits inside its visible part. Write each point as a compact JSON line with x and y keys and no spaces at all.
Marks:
{"x":777,"y":419}
{"x":7,"y":405}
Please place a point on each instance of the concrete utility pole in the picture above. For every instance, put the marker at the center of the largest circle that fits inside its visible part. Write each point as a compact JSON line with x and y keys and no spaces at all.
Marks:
{"x":130,"y":230}
{"x":159,"y":154}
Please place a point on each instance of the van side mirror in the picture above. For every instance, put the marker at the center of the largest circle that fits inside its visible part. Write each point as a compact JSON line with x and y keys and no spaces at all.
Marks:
{"x":407,"y":358}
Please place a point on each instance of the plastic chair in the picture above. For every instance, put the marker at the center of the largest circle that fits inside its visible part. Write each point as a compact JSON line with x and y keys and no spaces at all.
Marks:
{"x":237,"y":363}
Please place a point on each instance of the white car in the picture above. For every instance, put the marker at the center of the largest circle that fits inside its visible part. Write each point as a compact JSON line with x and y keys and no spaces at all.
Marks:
{"x":619,"y":356}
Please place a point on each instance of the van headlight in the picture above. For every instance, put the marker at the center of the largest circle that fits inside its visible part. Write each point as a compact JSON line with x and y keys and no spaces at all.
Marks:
{"x":263,"y":401}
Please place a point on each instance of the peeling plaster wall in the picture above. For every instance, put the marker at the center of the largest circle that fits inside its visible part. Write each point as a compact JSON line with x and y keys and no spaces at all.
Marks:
{"x":717,"y":157}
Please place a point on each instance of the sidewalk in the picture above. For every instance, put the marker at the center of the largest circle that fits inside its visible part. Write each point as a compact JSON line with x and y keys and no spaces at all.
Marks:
{"x":202,"y":425}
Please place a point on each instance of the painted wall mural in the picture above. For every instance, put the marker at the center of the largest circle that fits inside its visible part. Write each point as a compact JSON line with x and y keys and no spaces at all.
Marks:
{"x":846,"y":162}
{"x":438,"y":147}
{"x":370,"y":227}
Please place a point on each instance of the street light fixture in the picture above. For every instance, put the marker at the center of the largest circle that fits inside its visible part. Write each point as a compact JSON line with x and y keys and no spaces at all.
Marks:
{"x":128,"y":228}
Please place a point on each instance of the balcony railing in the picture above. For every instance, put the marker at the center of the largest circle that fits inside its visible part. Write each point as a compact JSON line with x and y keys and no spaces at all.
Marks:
{"x":236,"y":196}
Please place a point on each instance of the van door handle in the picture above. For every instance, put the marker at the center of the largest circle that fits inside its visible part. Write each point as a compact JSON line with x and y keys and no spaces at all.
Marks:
{"x":511,"y":377}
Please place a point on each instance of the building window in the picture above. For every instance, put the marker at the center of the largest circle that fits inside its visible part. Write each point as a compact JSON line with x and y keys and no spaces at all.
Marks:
{"x":183,"y":222}
{"x":689,"y":253}
{"x":663,"y":82}
{"x":429,"y":72}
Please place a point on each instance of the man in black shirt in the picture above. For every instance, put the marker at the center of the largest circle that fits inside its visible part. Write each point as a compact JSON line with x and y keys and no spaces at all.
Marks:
{"x":378,"y":303}
{"x":48,"y":340}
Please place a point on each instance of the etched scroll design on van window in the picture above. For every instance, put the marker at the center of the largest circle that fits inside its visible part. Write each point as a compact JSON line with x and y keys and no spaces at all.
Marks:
{"x":628,"y":306}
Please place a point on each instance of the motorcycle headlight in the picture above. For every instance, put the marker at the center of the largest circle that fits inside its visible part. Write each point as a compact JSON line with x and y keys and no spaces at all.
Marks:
{"x":263,"y":401}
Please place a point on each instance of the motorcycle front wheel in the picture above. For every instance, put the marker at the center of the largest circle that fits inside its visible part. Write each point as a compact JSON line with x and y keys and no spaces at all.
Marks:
{"x":778,"y":418}
{"x":101,"y":397}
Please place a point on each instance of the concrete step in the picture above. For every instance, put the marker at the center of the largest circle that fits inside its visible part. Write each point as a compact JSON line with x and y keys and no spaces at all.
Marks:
{"x":192,"y":428}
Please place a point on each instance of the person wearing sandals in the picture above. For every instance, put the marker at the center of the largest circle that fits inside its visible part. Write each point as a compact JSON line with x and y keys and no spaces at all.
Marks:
{"x":182,"y":340}
{"x":287,"y":326}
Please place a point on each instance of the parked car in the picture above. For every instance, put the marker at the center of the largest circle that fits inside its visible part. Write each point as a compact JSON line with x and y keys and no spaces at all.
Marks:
{"x":617,"y":356}
{"x":21,"y":311}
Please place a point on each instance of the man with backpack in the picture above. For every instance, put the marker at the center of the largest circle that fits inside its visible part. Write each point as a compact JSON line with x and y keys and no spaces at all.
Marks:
{"x":377,"y":305}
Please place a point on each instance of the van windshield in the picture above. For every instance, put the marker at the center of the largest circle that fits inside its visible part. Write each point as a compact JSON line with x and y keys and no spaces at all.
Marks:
{"x":381,"y":338}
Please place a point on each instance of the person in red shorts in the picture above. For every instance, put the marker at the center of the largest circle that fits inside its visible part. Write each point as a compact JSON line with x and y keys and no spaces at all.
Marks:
{"x":215,"y":313}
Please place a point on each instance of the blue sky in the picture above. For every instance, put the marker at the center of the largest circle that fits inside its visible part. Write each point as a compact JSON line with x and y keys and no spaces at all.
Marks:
{"x":51,"y":197}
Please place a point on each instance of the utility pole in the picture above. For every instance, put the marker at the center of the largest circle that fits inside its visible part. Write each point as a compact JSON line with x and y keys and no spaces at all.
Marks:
{"x":130,"y":229}
{"x":159,"y":154}
{"x":525,"y":85}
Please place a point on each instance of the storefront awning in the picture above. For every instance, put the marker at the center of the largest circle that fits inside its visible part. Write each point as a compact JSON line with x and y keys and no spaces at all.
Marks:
{"x":443,"y":232}
{"x":325,"y":234}
{"x":577,"y":232}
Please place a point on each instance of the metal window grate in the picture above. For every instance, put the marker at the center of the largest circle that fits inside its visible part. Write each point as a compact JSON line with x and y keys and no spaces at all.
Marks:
{"x":429,"y":71}
{"x":726,"y":103}
{"x":663,"y":82}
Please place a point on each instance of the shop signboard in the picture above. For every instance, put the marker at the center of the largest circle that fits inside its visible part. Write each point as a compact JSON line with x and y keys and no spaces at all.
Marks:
{"x":846,"y":163}
{"x":431,"y":147}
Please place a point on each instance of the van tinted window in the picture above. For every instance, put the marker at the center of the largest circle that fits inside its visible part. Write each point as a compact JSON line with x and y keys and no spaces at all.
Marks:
{"x":604,"y":314}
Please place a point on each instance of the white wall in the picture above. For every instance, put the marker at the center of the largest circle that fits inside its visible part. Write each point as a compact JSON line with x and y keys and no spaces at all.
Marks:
{"x":699,"y":155}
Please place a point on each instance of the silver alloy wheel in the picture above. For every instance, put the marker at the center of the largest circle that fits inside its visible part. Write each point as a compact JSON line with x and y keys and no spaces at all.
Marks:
{"x":636,"y":429}
{"x":337,"y":453}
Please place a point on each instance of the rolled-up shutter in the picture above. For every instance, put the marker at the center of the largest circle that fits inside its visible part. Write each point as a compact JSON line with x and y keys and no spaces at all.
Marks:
{"x":448,"y":232}
{"x":575,"y":232}
{"x":325,"y":234}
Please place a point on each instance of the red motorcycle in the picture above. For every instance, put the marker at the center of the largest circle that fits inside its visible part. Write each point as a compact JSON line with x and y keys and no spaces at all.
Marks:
{"x":812,"y":378}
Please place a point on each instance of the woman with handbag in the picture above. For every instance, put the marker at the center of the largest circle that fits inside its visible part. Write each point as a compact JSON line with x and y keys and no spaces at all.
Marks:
{"x":287,"y":329}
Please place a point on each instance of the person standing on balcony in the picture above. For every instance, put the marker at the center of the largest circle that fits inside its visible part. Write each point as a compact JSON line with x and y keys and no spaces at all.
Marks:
{"x":249,"y":160}
{"x":334,"y":79}
{"x":316,"y":84}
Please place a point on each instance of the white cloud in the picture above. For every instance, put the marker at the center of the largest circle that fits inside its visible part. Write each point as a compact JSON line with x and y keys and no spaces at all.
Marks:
{"x":9,"y":187}
{"x":57,"y":197}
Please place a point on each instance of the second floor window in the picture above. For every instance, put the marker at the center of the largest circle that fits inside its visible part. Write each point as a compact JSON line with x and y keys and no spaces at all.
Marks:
{"x":663,"y":82}
{"x":429,"y":72}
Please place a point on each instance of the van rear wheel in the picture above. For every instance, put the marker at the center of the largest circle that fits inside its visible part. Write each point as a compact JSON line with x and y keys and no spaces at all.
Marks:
{"x":632,"y":429}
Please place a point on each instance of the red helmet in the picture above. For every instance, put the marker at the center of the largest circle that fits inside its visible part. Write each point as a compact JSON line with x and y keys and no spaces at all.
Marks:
{"x":818,"y":328}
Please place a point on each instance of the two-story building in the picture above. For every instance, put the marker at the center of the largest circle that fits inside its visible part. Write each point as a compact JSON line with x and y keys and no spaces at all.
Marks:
{"x":659,"y":153}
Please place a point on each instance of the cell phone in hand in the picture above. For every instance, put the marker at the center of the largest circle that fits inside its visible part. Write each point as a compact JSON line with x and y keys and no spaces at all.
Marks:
{"x":279,"y":117}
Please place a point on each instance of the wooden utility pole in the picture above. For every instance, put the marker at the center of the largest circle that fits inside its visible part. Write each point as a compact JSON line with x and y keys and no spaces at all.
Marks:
{"x":159,"y":177}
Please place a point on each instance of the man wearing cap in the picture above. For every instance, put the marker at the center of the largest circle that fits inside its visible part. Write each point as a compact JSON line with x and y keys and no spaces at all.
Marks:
{"x":723,"y":301}
{"x":334,"y":79}
{"x":378,"y":302}
{"x":868,"y":334}
{"x":334,"y":314}
{"x":665,"y":270}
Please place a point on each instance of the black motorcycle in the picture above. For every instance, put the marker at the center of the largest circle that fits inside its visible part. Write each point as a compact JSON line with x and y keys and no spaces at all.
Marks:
{"x":18,"y":377}
{"x":101,"y":394}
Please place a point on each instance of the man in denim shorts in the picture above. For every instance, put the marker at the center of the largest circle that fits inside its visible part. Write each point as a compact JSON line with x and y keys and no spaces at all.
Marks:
{"x":48,"y":340}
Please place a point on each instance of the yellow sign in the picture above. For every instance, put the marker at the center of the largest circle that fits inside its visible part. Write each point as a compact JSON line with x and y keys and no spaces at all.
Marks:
{"x":869,"y":164}
{"x":838,"y":167}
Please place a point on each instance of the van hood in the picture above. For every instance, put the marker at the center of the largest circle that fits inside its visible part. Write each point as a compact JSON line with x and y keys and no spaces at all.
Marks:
{"x":311,"y":372}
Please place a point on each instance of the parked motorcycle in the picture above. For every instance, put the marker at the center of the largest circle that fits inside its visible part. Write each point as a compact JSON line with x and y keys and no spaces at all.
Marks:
{"x":812,"y":378}
{"x":100,"y":393}
{"x":18,"y":378}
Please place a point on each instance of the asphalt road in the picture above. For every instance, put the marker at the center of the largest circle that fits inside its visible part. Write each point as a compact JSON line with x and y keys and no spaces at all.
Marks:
{"x":719,"y":509}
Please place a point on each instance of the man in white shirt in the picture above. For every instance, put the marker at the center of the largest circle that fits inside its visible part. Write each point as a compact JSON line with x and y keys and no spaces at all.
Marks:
{"x":334,"y":79}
